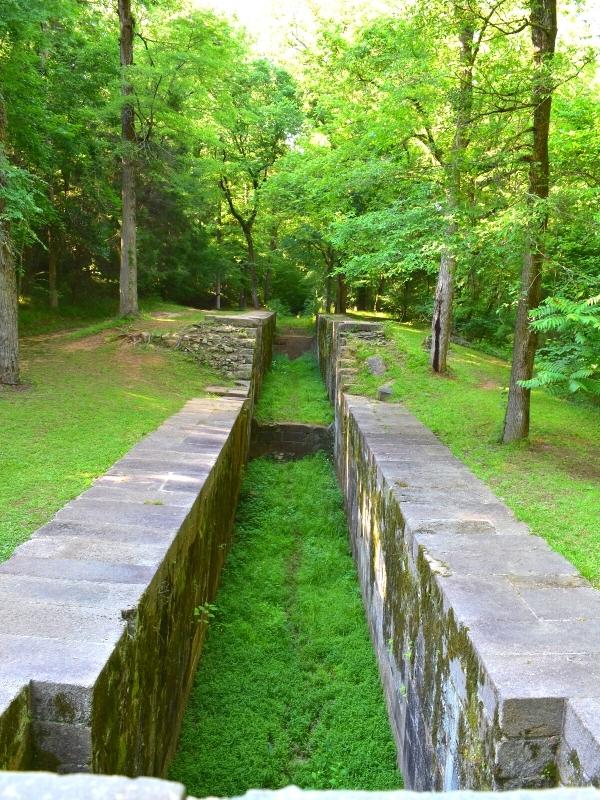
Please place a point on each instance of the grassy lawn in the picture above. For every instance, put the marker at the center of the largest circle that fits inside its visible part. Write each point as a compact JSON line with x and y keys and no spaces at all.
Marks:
{"x":300,"y":325}
{"x":293,"y":390}
{"x":83,"y":321}
{"x":552,"y":483}
{"x":87,"y":398}
{"x":287,"y":691}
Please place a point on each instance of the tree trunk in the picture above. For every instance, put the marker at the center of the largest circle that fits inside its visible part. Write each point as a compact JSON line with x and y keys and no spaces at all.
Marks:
{"x":441,"y":323}
{"x":273,"y":247}
{"x":441,"y":326}
{"x":9,"y":308}
{"x":362,"y":298}
{"x":342,"y":295}
{"x":252,"y":265}
{"x":53,"y":249}
{"x":128,"y":295}
{"x":328,"y":293}
{"x":218,"y":293}
{"x":543,"y":37}
{"x":9,"y":298}
{"x":378,"y":294}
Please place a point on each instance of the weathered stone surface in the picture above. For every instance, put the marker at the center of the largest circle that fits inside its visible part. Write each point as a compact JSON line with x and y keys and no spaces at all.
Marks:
{"x":376,"y":365}
{"x":290,"y":439}
{"x":239,"y":346}
{"x":46,"y":786}
{"x":384,"y":393}
{"x":99,"y":638}
{"x":488,"y":641}
{"x":292,"y":343}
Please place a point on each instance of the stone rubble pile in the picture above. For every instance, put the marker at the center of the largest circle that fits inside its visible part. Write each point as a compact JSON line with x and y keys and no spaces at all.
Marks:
{"x":227,"y":347}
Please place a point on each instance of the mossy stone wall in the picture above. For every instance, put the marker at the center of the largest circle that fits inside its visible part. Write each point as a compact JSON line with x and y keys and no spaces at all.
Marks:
{"x":488,"y":641}
{"x":106,"y":607}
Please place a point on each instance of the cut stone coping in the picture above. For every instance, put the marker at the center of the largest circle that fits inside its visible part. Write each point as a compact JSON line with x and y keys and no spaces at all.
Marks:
{"x":47,"y":786}
{"x":100,"y":631}
{"x":488,"y":640}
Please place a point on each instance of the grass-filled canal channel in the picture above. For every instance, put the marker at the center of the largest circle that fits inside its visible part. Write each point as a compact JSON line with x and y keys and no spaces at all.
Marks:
{"x":287,"y":691}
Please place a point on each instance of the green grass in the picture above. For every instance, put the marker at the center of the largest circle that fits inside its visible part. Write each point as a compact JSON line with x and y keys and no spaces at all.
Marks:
{"x":287,"y":691}
{"x":301,"y":324}
{"x":85,"y":402}
{"x":35,"y":320}
{"x":293,"y":390}
{"x":552,"y":482}
{"x":102,"y":315}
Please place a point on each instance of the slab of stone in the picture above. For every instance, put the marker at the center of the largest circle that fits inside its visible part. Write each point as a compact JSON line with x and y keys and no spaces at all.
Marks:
{"x":580,"y":748}
{"x":92,"y":548}
{"x":294,"y":793}
{"x":484,"y":551}
{"x":47,"y":786}
{"x":123,"y":513}
{"x":60,"y":591}
{"x":56,"y":661}
{"x":107,"y":532}
{"x":59,"y":622}
{"x":77,"y":570}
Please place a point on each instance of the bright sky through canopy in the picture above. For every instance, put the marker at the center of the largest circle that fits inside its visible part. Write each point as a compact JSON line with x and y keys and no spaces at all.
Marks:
{"x":274,"y":23}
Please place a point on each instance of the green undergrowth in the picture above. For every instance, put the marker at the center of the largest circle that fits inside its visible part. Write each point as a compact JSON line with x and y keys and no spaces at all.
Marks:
{"x":84,"y":402}
{"x":294,"y":391}
{"x":551,"y":482}
{"x":287,"y":691}
{"x":299,"y":324}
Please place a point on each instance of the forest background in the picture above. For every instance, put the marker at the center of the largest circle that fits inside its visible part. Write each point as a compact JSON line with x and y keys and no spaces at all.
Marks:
{"x":437,"y":161}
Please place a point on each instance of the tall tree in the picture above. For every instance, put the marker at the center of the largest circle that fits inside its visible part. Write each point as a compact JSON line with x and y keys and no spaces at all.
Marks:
{"x":258,"y":117}
{"x":9,"y":327}
{"x":441,"y":324}
{"x":128,"y":289}
{"x":543,"y":37}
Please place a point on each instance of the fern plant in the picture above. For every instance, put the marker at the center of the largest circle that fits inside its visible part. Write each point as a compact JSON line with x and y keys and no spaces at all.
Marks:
{"x":569,"y":361}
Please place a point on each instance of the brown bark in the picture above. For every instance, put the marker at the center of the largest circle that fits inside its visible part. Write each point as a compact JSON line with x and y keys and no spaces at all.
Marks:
{"x":378,"y":294}
{"x":9,"y":298}
{"x":246,"y":224}
{"x":219,"y":238}
{"x":9,"y":327}
{"x":53,"y":250}
{"x":128,"y":295}
{"x":441,"y":323}
{"x":441,"y":326}
{"x":341,"y":298}
{"x":251,"y":262}
{"x":543,"y":36}
{"x":273,"y":247}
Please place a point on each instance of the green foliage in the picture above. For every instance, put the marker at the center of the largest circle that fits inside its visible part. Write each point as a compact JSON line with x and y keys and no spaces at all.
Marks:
{"x":551,"y":483}
{"x":569,"y":360}
{"x":293,"y":392}
{"x":287,"y":691}
{"x":85,"y":402}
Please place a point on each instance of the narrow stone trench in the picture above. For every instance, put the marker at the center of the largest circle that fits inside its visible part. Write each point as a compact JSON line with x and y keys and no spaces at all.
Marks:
{"x":287,"y":690}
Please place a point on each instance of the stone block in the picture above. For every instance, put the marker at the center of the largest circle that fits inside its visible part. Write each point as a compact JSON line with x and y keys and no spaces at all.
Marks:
{"x":580,"y":748}
{"x":47,"y":786}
